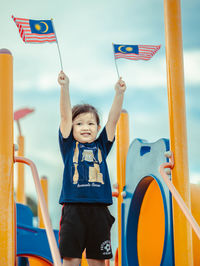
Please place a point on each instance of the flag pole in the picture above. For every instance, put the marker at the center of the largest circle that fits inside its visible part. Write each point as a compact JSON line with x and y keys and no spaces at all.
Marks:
{"x":115,"y":61}
{"x":57,"y":46}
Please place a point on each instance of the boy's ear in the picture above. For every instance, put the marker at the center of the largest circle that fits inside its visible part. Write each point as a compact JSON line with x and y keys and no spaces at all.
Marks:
{"x":98,"y":128}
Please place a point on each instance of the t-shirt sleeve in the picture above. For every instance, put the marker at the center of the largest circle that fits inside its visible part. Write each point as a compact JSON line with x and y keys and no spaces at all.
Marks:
{"x":65,"y":143}
{"x":105,"y":143}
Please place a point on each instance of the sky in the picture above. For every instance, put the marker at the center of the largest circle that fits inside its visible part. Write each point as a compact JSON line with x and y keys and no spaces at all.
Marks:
{"x":85,"y":31}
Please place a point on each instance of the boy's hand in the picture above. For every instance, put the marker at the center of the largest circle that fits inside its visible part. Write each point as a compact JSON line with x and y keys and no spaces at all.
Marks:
{"x":63,"y":80}
{"x":120,"y":86}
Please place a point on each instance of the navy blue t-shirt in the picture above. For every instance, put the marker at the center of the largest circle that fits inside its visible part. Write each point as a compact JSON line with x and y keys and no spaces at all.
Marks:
{"x":85,"y":177}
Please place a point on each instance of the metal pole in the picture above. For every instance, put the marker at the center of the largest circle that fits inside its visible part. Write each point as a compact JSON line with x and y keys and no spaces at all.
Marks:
{"x":44,"y":185}
{"x":178,"y":132}
{"x":122,"y":145}
{"x":7,"y":234}
{"x":20,"y":190}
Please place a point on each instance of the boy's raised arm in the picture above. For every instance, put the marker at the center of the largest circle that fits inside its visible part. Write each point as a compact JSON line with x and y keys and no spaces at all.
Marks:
{"x":65,"y":105}
{"x":115,"y":110}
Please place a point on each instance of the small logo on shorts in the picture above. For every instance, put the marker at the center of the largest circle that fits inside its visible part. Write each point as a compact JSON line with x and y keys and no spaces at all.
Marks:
{"x":106,"y":247}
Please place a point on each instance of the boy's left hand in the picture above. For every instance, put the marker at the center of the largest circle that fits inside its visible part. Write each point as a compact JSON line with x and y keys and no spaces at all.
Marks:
{"x":120,"y":86}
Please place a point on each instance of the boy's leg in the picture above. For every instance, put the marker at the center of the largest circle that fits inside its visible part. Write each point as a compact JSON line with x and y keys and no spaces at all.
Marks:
{"x":98,"y":246}
{"x":92,"y":262}
{"x":71,"y":262}
{"x":72,"y":235}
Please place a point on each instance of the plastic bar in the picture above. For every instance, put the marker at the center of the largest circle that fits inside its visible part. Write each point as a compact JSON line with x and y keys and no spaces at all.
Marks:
{"x":177,"y":196}
{"x":7,"y":233}
{"x":50,"y":235}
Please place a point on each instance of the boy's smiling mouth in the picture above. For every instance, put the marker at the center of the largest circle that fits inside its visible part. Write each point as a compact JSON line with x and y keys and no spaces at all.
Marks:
{"x":85,"y":134}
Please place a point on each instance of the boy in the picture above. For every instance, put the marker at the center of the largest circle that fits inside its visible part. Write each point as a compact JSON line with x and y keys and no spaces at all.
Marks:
{"x":86,"y":191}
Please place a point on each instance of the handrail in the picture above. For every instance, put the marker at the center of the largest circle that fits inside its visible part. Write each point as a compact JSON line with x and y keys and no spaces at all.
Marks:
{"x":177,"y":196}
{"x":50,"y":235}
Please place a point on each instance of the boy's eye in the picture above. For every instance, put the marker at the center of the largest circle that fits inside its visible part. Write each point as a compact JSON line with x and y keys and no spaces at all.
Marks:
{"x":79,"y":123}
{"x":91,"y":123}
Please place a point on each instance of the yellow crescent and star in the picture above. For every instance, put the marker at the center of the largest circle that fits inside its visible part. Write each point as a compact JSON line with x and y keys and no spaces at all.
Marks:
{"x":38,"y":27}
{"x":127,"y":49}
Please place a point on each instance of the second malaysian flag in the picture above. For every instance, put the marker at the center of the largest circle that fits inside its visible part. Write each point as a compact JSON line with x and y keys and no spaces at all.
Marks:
{"x":35,"y":31}
{"x":135,"y":52}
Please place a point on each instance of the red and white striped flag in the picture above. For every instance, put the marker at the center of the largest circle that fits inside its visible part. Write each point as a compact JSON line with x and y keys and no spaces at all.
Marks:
{"x":35,"y":31}
{"x":135,"y":52}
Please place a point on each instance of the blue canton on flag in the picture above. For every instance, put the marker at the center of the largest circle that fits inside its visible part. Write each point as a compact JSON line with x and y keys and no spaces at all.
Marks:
{"x":41,"y":26}
{"x":126,"y":49}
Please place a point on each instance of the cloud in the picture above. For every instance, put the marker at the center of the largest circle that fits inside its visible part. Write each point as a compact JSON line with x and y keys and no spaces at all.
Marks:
{"x":191,"y":67}
{"x":96,"y":77}
{"x":195,"y":177}
{"x":47,"y":81}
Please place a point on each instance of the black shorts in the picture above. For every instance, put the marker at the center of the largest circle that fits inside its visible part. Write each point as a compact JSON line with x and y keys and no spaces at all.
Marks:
{"x":85,"y":226}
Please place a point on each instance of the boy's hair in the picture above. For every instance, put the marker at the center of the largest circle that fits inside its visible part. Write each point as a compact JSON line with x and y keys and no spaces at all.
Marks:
{"x":85,"y":108}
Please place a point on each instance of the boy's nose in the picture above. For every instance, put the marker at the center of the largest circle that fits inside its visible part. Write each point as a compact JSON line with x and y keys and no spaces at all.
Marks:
{"x":85,"y":127}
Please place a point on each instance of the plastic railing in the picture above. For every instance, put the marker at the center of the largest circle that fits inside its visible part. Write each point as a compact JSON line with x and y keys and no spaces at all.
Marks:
{"x":175,"y":193}
{"x":50,"y":235}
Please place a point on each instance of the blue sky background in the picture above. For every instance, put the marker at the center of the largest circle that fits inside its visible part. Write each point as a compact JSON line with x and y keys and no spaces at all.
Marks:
{"x":85,"y":31}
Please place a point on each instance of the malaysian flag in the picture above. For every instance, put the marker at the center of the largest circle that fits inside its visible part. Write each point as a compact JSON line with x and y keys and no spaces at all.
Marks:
{"x":135,"y":52}
{"x":35,"y":31}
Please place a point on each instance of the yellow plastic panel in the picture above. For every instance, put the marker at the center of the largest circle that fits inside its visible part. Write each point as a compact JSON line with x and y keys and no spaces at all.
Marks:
{"x":151,"y":227}
{"x":33,"y":261}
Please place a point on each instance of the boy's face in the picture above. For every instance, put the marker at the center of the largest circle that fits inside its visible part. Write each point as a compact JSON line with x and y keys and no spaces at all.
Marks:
{"x":85,"y":128}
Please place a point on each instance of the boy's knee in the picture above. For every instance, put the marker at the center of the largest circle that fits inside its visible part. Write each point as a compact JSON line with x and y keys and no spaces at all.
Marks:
{"x":93,"y":262}
{"x":71,"y":261}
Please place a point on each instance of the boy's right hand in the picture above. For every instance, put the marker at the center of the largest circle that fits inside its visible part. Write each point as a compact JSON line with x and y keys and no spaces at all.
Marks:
{"x":63,"y":79}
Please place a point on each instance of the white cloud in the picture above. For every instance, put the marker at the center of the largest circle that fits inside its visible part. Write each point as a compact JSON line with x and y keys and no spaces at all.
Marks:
{"x":191,"y":67}
{"x":47,"y":81}
{"x":22,"y":85}
{"x":195,"y":178}
{"x":96,"y":75}
{"x":145,"y":75}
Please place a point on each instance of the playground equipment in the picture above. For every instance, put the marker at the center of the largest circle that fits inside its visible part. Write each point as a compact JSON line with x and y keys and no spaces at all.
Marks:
{"x":32,"y":242}
{"x":146,"y":225}
{"x":146,"y":211}
{"x":20,"y":194}
{"x":7,"y":159}
{"x":178,"y":134}
{"x":33,"y":247}
{"x":44,"y":184}
{"x":50,"y":235}
{"x":7,"y":237}
{"x":155,"y":223}
{"x":147,"y":205}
